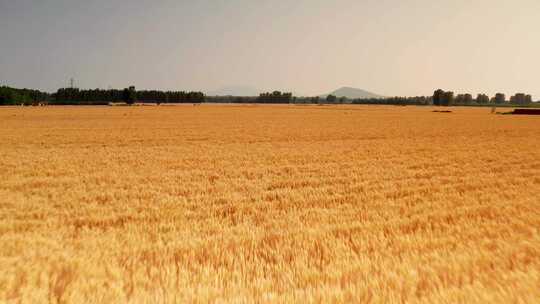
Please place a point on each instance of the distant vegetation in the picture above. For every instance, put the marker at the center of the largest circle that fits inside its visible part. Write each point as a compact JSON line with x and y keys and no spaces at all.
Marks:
{"x":128,"y":95}
{"x":442,"y":98}
{"x":75,"y":96}
{"x":439,"y":98}
{"x":21,"y":96}
{"x":275,"y":97}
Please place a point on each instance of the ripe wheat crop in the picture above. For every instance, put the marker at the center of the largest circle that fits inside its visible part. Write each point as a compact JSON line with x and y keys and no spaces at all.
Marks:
{"x":246,"y":203}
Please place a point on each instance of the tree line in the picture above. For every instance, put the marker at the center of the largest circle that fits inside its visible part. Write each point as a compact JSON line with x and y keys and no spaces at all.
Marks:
{"x":128,"y":95}
{"x":278,"y":97}
{"x":439,"y":98}
{"x":398,"y":100}
{"x":75,"y":96}
{"x":447,"y":98}
{"x":21,"y":96}
{"x":275,"y":97}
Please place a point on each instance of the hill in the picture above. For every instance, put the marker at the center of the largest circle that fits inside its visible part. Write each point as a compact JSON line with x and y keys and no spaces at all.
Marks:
{"x":353,"y":93}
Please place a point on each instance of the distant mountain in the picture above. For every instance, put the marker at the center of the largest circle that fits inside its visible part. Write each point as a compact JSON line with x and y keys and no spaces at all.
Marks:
{"x":353,"y":93}
{"x":235,"y":91}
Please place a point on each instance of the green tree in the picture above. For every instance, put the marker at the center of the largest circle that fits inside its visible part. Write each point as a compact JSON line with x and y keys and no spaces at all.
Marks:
{"x":10,"y":95}
{"x":331,"y":98}
{"x":274,"y":97}
{"x":437,"y":97}
{"x":482,"y":99}
{"x":129,"y":95}
{"x":460,"y":99}
{"x":468,"y":99}
{"x":521,"y":99}
{"x":447,"y":99}
{"x":499,"y":98}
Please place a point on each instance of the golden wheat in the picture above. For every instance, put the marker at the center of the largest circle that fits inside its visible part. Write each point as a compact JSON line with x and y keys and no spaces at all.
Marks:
{"x":246,"y":203}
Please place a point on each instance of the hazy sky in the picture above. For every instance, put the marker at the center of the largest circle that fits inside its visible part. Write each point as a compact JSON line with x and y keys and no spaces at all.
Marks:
{"x":390,"y":47}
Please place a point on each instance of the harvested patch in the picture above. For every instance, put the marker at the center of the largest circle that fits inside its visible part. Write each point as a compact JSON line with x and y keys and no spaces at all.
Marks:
{"x":526,"y":112}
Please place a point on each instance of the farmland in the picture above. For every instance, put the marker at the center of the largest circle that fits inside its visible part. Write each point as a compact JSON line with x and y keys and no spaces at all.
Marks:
{"x":268,"y":203}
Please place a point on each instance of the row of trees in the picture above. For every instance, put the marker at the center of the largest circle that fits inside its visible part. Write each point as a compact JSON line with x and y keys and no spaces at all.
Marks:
{"x":416,"y":100}
{"x":334,"y":99}
{"x":278,"y":97}
{"x":446,"y":98}
{"x":521,"y":99}
{"x":442,"y":98}
{"x":170,"y":96}
{"x":265,"y":98}
{"x":10,"y":96}
{"x":275,"y":97}
{"x":128,"y":95}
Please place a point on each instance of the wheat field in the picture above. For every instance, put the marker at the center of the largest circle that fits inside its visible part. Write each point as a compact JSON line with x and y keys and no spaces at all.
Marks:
{"x":273,"y":203}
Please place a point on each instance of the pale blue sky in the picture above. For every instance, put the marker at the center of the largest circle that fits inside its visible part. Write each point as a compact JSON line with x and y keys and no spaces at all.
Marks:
{"x":391,"y":47}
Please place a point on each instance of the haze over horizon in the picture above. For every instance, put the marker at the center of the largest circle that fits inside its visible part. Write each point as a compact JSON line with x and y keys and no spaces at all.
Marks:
{"x":388,"y":47}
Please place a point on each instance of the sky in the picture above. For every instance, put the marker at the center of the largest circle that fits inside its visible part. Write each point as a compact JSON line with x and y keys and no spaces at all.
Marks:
{"x":310,"y":47}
